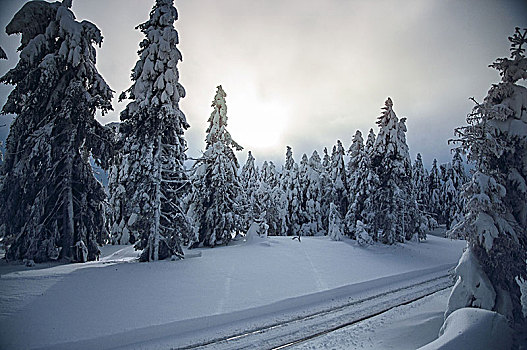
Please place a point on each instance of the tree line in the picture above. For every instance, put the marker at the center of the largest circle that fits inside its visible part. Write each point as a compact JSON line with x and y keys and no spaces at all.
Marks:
{"x":53,"y":208}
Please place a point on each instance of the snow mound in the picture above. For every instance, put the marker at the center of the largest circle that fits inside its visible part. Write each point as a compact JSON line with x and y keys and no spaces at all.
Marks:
{"x":471,"y":328}
{"x":473,"y":287}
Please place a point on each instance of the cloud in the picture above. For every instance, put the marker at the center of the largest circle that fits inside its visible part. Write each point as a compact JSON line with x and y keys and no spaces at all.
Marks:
{"x":320,"y":70}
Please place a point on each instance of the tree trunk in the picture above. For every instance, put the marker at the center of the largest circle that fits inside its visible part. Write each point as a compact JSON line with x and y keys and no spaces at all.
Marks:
{"x":157,"y":206}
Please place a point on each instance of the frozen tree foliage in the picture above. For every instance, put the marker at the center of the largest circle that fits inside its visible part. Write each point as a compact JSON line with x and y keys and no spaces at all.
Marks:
{"x":359,"y":188}
{"x":434,"y":191}
{"x":290,"y":185}
{"x":312,"y":187}
{"x":451,"y":201}
{"x":250,"y":182}
{"x":216,"y":189}
{"x":335,"y":231}
{"x":3,"y":55}
{"x":326,"y":187}
{"x":52,"y":205}
{"x":361,"y":234}
{"x":396,"y":217}
{"x":148,"y":179}
{"x":420,"y":188}
{"x":272,"y":200}
{"x":495,"y":223}
{"x":338,"y":192}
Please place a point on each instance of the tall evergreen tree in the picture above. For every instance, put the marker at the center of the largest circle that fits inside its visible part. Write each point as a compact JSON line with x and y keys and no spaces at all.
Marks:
{"x":148,"y":180}
{"x":395,"y":209}
{"x":355,"y":178}
{"x":290,"y":184}
{"x":451,"y":187}
{"x":250,"y":182}
{"x":326,"y":189}
{"x":420,"y":188}
{"x":272,"y":200}
{"x":434,"y":192}
{"x":362,"y":181}
{"x":214,"y":208}
{"x":312,"y":182}
{"x":339,"y":181}
{"x":495,"y":223}
{"x":52,"y":205}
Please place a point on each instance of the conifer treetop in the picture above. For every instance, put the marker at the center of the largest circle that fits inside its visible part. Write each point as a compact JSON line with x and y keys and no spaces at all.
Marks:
{"x":217,"y":130}
{"x":512,"y":70}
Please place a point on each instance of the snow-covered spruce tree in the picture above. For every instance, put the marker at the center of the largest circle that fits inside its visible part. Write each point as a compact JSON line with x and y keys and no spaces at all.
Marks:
{"x":326,"y":186}
{"x":213,"y":205}
{"x":420,"y":182}
{"x":148,"y":180}
{"x":272,"y":199}
{"x":396,"y":216}
{"x":356,"y":200}
{"x":434,"y":192}
{"x":250,"y":183}
{"x":495,"y":223}
{"x":339,"y":181}
{"x":368,"y":182}
{"x":335,"y":226}
{"x":453,"y":181}
{"x":312,"y":182}
{"x":51,"y":203}
{"x":420,"y":188}
{"x":290,"y":185}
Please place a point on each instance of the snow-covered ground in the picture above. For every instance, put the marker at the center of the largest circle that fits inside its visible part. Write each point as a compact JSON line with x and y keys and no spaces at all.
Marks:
{"x":120,"y":302}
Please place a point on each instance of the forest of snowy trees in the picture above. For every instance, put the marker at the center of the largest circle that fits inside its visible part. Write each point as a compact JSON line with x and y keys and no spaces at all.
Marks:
{"x":53,"y":208}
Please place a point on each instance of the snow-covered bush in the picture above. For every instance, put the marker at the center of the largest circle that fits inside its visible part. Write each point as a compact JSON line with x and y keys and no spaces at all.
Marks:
{"x":363,"y":237}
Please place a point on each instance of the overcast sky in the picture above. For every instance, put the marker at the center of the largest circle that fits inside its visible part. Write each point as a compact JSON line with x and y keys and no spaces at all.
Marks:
{"x":306,"y":73}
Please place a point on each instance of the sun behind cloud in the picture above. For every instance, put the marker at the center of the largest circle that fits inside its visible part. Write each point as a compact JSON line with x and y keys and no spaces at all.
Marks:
{"x":256,"y":122}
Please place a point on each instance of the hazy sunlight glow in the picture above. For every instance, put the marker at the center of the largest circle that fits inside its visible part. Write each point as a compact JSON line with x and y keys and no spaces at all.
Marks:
{"x":254,"y":122}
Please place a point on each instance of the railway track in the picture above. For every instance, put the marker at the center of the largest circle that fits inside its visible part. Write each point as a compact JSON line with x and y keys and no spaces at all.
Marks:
{"x":309,"y":325}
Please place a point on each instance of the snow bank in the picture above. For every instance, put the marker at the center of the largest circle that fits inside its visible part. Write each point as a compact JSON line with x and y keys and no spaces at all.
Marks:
{"x":473,"y":287}
{"x":471,"y":328}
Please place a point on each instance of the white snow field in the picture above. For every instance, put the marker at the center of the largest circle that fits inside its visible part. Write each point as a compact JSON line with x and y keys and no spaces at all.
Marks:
{"x":215,"y":293}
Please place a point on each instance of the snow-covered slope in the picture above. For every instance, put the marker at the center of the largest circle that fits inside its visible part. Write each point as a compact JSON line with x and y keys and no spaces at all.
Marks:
{"x":47,"y":305}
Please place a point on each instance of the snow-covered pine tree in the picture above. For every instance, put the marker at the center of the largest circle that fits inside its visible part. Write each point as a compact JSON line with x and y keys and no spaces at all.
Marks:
{"x":495,"y":223}
{"x":369,"y":182}
{"x":420,"y":188}
{"x":250,"y":183}
{"x":335,"y":226}
{"x":326,"y":186}
{"x":395,"y":209}
{"x":356,"y":153}
{"x":434,"y":192}
{"x":290,"y":185}
{"x":216,"y":188}
{"x":339,"y":180}
{"x":272,"y":199}
{"x":51,"y":202}
{"x":420,"y":183}
{"x":451,"y":201}
{"x":312,"y":183}
{"x":148,"y":180}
